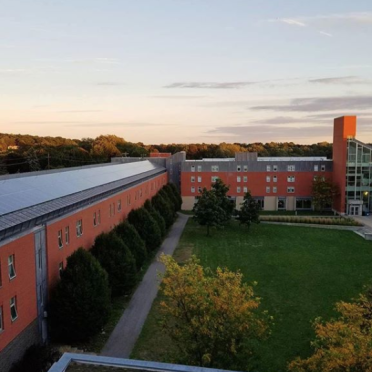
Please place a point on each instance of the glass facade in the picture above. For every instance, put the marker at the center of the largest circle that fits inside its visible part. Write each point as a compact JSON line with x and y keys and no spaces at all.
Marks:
{"x":358,"y":176}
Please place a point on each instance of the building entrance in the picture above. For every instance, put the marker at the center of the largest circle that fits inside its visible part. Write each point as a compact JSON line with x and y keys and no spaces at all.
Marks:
{"x":354,"y":210}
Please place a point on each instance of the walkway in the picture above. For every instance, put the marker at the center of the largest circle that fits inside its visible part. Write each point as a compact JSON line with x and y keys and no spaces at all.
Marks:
{"x":124,"y":336}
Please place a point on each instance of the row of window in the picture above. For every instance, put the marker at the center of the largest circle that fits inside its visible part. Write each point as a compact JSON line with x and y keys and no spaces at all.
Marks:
{"x":290,"y":189}
{"x":269,"y":168}
{"x":13,"y":312}
{"x":11,"y":269}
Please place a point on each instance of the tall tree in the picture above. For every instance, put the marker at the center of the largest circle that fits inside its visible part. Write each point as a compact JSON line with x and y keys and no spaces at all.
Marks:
{"x":249,"y":211}
{"x":212,"y":317}
{"x":323,"y":192}
{"x":227,"y":206}
{"x":342,"y":344}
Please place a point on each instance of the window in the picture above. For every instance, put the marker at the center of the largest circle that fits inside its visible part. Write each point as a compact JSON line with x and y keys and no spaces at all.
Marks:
{"x":245,"y":168}
{"x":199,"y":168}
{"x":290,"y":178}
{"x":199,"y":179}
{"x":11,"y":266}
{"x":322,"y":168}
{"x":245,"y":189}
{"x":60,"y":268}
{"x":245,"y":179}
{"x":275,"y":179}
{"x":94,"y":219}
{"x":141,"y":190}
{"x":99,"y":216}
{"x":129,"y":197}
{"x":238,"y":179}
{"x":214,"y":168}
{"x":303,"y":203}
{"x":110,"y":210}
{"x":199,"y":189}
{"x":238,"y":168}
{"x":316,"y":168}
{"x":192,"y":179}
{"x":268,"y":168}
{"x":268,"y":189}
{"x":1,"y":319}
{"x":119,"y":203}
{"x":192,"y":189}
{"x":13,"y":308}
{"x":275,"y":168}
{"x":291,"y":168}
{"x":290,"y":190}
{"x":79,"y":228}
{"x":67,"y":234}
{"x":113,"y":208}
{"x":268,"y":178}
{"x":214,"y":179}
{"x":60,"y":239}
{"x":274,"y":189}
{"x":193,"y":168}
{"x":238,"y":189}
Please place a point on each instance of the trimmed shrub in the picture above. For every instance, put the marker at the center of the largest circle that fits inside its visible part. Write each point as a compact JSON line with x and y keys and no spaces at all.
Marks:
{"x":81,"y":302}
{"x":146,"y":227}
{"x":176,"y":202}
{"x":312,"y":220}
{"x":129,"y":235}
{"x":176,"y":192}
{"x":156,"y":216}
{"x":164,"y":208}
{"x":116,"y":258}
{"x":169,"y":200}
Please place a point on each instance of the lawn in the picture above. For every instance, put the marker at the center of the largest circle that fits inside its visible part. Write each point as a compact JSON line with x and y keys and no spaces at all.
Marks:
{"x":301,"y":273}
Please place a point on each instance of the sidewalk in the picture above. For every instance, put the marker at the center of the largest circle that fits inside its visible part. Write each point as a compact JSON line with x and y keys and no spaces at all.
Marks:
{"x":124,"y":336}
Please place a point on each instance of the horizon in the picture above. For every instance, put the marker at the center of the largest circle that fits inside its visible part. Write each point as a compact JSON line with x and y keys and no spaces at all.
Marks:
{"x":184,"y":72}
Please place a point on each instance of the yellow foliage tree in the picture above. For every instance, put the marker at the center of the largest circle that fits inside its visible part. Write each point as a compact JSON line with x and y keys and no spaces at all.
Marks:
{"x":212,"y":317}
{"x":343,"y":344}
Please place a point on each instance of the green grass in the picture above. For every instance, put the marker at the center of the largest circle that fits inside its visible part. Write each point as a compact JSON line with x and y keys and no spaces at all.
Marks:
{"x":301,"y":273}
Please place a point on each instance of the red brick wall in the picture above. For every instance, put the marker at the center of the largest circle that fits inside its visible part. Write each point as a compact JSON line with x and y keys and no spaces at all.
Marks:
{"x":23,"y":286}
{"x":344,"y":127}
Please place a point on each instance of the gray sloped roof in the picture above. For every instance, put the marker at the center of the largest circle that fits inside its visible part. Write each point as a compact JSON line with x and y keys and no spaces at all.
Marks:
{"x":24,"y":192}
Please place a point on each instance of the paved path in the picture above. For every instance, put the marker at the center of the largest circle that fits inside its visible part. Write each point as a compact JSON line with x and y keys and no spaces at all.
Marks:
{"x":124,"y":336}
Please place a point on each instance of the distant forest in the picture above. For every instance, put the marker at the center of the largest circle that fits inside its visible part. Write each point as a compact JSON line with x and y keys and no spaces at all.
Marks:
{"x":25,"y":153}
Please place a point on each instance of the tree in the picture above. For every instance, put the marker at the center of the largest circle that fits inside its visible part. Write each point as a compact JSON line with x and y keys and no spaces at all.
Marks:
{"x":249,"y":211}
{"x":164,"y":208}
{"x":212,"y":317}
{"x":116,"y":258}
{"x":80,"y":304}
{"x":207,"y":210}
{"x":146,"y":227}
{"x":221,"y":190}
{"x":323,"y":192}
{"x":342,"y":344}
{"x":176,"y":193}
{"x":129,"y":235}
{"x":156,"y":216}
{"x":172,"y":197}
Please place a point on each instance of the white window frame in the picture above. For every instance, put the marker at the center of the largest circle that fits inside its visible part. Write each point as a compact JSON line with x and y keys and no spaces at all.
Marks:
{"x":199,"y":179}
{"x":291,"y":178}
{"x":245,"y":179}
{"x":238,"y":179}
{"x":199,"y":168}
{"x":275,"y":178}
{"x":193,"y":189}
{"x":275,"y":168}
{"x":245,"y":168}
{"x":79,"y":228}
{"x":290,"y":189}
{"x":238,"y":168}
{"x":268,"y":179}
{"x":267,"y":189}
{"x":60,"y":239}
{"x":67,"y":235}
{"x":215,"y":168}
{"x":214,"y":179}
{"x":193,"y":168}
{"x":200,"y":189}
{"x":268,"y":168}
{"x":13,"y":304}
{"x":291,"y":168}
{"x":192,"y":178}
{"x":275,"y":189}
{"x":245,"y":189}
{"x":316,"y":168}
{"x":11,"y":267}
{"x":238,"y":189}
{"x":323,"y":168}
{"x":119,"y":203}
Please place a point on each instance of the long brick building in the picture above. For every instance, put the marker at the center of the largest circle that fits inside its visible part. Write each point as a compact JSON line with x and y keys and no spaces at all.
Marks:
{"x":45,"y":216}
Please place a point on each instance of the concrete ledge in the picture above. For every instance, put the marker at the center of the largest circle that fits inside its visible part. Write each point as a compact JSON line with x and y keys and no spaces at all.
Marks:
{"x":368,"y":236}
{"x":319,"y":226}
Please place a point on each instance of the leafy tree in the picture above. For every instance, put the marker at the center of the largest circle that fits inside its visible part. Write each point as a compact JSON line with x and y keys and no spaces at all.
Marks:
{"x":172,"y":197}
{"x":249,"y":211}
{"x":207,"y":210}
{"x":156,"y":216}
{"x":146,"y":227}
{"x":221,"y":190}
{"x":129,"y":235}
{"x":116,"y":258}
{"x":324,"y":192}
{"x":163,"y":206}
{"x":212,"y":317}
{"x":176,"y":192}
{"x":164,"y":194}
{"x":80,"y":304}
{"x":343,"y":344}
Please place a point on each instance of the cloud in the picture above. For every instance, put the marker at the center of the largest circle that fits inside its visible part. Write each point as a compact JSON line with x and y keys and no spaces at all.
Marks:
{"x":325,"y":33}
{"x":178,"y":97}
{"x":211,"y":85}
{"x":344,"y":104}
{"x":292,"y":22}
{"x":341,"y":80}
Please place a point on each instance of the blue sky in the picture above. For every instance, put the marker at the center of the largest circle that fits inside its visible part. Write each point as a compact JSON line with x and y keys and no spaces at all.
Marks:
{"x":161,"y":71}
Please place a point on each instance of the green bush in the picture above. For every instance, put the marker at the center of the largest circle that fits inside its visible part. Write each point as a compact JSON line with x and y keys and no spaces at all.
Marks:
{"x":146,"y":227}
{"x":156,"y":216}
{"x":81,"y":302}
{"x":176,"y":199}
{"x":163,"y":206}
{"x":116,"y":258}
{"x":129,"y":235}
{"x":312,"y":220}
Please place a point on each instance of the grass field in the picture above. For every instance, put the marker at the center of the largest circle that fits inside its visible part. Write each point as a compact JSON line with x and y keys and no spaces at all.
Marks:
{"x":301,"y":273}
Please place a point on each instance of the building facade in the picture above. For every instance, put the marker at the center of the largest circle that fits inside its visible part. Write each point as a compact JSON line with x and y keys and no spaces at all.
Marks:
{"x":44,"y":218}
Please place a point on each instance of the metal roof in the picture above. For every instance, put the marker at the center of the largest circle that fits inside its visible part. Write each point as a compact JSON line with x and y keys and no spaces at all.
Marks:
{"x":23,"y":192}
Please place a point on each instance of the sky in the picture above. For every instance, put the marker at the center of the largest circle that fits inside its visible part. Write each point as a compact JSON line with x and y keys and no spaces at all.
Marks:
{"x":183,"y":71}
